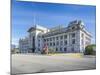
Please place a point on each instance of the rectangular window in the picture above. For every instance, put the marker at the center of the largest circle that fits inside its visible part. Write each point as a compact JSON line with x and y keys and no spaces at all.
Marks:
{"x":65,"y":49}
{"x":65,"y":36}
{"x":38,"y":40}
{"x":61,"y":37}
{"x":50,"y":44}
{"x":73,"y":41}
{"x":53,"y":43}
{"x":61,"y":42}
{"x":87,"y":42}
{"x":57,"y":43}
{"x":65,"y":42}
{"x":53,"y":38}
{"x":50,"y":39}
{"x":47,"y":39}
{"x":60,"y":48}
{"x":38,"y":49}
{"x":73,"y":35}
{"x":39,"y":45}
{"x":57,"y":38}
{"x":73,"y":27}
{"x":56,"y":49}
{"x":39,"y":37}
{"x":72,"y":49}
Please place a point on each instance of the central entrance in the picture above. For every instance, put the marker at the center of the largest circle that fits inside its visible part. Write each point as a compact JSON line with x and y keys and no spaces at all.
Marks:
{"x":33,"y":45}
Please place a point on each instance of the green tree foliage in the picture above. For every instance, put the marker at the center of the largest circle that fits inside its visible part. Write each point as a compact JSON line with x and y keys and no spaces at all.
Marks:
{"x":51,"y":50}
{"x":89,"y":50}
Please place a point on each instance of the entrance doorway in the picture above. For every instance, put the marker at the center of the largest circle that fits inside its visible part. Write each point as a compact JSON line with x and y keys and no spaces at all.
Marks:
{"x":33,"y":45}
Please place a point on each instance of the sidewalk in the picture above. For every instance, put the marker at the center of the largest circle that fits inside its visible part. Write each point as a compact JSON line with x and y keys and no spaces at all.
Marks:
{"x":72,"y":55}
{"x":78,"y":55}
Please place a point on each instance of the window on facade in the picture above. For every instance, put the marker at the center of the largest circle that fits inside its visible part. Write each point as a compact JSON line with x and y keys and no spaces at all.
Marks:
{"x":65,"y":42}
{"x":65,"y":49}
{"x":65,"y":36}
{"x":57,"y":38}
{"x":73,"y":27}
{"x":61,"y":37}
{"x":39,"y":40}
{"x":61,"y":42}
{"x":39,"y":37}
{"x":50,"y":44}
{"x":53,"y":38}
{"x":42,"y":36}
{"x":50,"y":39}
{"x":39,"y":44}
{"x":60,"y":48}
{"x":47,"y":39}
{"x":87,"y":42}
{"x":57,"y":43}
{"x":73,"y":35}
{"x":38,"y":49}
{"x":56,"y":49}
{"x":53,"y":43}
{"x":72,"y":49}
{"x":73,"y":41}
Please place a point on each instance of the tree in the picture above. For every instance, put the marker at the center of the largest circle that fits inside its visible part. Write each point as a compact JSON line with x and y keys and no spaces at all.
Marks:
{"x":51,"y":50}
{"x":89,"y":50}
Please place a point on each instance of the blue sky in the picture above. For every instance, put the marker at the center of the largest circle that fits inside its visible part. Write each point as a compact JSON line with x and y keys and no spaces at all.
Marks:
{"x":49,"y":15}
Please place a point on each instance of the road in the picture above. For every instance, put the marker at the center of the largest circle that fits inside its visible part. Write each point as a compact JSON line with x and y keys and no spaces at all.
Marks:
{"x":31,"y":63}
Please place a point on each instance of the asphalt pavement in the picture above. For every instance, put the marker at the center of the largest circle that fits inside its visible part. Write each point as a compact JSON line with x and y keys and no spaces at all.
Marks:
{"x":31,"y":63}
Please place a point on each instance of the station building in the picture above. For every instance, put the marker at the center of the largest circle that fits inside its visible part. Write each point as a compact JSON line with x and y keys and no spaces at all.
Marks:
{"x":71,"y":39}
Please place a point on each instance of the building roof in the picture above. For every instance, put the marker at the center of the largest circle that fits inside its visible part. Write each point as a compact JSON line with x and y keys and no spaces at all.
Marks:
{"x":75,"y":22}
{"x":79,"y":26}
{"x":33,"y":29}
